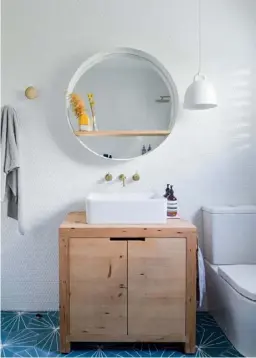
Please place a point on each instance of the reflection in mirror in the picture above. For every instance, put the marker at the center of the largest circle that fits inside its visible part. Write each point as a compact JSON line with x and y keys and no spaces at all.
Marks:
{"x":130,"y":93}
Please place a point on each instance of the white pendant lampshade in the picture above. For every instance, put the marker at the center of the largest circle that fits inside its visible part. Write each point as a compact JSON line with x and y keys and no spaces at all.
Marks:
{"x":201,"y":93}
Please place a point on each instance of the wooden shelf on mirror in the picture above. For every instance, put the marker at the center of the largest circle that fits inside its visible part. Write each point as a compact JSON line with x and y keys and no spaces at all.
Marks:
{"x":128,"y":133}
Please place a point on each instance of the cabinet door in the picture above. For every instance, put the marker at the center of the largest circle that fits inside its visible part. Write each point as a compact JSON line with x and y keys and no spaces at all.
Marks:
{"x":156,"y":287}
{"x":98,"y":286}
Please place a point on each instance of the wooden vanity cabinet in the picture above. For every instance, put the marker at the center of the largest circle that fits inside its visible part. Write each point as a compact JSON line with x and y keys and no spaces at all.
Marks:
{"x":127,"y":284}
{"x":98,"y":286}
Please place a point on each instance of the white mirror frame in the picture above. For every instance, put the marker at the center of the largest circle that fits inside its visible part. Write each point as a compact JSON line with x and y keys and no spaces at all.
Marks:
{"x":99,"y":57}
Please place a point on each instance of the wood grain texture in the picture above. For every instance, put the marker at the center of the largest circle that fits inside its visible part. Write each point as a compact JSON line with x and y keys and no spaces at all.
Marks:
{"x":191,"y":268}
{"x":64,"y":292}
{"x":156,"y":287}
{"x":98,"y":286}
{"x":161,"y":303}
{"x":76,"y":223}
{"x":126,"y":133}
{"x":85,"y":337}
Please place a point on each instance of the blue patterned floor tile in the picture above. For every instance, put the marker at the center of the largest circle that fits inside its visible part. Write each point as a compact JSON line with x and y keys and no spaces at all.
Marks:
{"x":30,"y":334}
{"x":7,"y":352}
{"x":48,"y":340}
{"x":48,"y":320}
{"x":206,"y":321}
{"x":78,"y":353}
{"x":212,"y":339}
{"x":218,"y":352}
{"x":230,"y":352}
{"x":14,"y":342}
{"x":14,"y":321}
{"x":47,"y":329}
{"x":104,"y":350}
{"x":167,"y":353}
{"x":34,"y":352}
{"x":145,"y":349}
{"x":158,"y":350}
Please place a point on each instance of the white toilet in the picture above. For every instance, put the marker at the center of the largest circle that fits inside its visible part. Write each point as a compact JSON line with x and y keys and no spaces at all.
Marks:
{"x":230,"y":263}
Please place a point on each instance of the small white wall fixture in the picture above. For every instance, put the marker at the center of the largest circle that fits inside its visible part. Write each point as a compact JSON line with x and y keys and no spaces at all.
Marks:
{"x":127,"y":53}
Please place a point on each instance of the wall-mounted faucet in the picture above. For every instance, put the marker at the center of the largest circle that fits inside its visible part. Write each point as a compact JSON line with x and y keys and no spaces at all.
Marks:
{"x":108,"y":177}
{"x":122,"y":177}
{"x":136,"y":177}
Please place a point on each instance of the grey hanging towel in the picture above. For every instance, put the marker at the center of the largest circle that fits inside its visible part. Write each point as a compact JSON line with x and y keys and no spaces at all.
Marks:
{"x":10,"y":160}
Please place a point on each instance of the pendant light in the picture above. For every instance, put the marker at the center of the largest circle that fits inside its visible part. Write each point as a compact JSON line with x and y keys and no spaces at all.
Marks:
{"x":201,"y":93}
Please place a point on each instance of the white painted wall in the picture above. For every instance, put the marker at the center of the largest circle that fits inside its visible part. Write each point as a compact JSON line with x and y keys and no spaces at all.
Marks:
{"x":209,"y":157}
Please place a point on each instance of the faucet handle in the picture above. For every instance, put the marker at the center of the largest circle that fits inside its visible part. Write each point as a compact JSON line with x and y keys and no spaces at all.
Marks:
{"x":108,"y":177}
{"x":136,"y":177}
{"x":122,"y":177}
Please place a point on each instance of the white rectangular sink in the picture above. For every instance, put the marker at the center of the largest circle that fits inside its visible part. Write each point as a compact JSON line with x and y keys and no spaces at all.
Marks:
{"x":126,"y":208}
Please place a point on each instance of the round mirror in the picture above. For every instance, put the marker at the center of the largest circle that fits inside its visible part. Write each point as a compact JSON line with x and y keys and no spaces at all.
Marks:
{"x":121,"y":104}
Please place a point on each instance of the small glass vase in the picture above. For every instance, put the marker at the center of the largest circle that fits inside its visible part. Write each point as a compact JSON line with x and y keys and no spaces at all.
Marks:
{"x":94,"y":124}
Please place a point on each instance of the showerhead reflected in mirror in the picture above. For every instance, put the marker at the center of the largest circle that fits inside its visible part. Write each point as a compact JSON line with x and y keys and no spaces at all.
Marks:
{"x":124,"y":93}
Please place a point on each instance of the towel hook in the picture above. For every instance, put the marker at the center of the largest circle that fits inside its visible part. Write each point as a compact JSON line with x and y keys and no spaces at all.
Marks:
{"x":31,"y":92}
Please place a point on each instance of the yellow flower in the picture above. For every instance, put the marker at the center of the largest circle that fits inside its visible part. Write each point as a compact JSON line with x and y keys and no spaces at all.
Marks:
{"x":90,"y":97}
{"x":77,"y":104}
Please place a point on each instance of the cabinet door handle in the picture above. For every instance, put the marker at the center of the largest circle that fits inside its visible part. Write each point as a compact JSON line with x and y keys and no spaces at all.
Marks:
{"x":127,"y":239}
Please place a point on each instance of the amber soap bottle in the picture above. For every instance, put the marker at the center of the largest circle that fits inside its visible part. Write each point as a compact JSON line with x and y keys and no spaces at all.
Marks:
{"x":172,"y":205}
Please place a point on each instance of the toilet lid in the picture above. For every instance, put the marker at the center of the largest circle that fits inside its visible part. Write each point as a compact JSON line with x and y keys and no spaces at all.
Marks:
{"x":241,"y":277}
{"x":231,"y":209}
